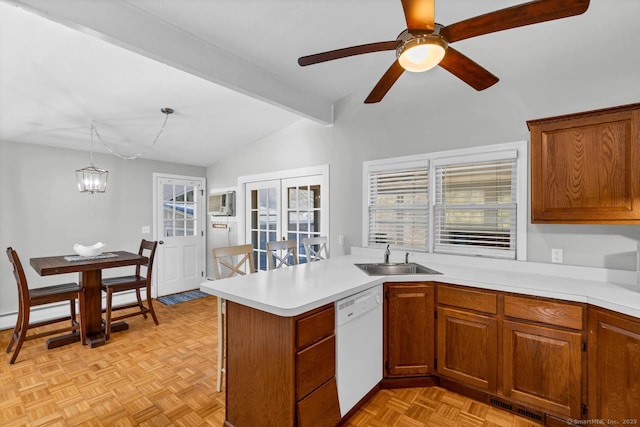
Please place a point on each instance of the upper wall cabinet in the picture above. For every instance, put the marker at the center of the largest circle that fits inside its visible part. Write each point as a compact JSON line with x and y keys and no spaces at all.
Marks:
{"x":585,"y":167}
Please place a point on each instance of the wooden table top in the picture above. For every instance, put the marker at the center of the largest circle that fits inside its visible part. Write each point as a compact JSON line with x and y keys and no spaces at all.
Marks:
{"x":47,"y":266}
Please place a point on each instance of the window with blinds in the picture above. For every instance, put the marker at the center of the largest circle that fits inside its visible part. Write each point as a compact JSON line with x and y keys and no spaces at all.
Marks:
{"x":399,"y":207}
{"x":475,"y":208}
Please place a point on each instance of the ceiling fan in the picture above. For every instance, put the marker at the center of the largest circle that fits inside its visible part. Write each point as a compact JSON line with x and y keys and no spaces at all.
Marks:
{"x":425,"y":43}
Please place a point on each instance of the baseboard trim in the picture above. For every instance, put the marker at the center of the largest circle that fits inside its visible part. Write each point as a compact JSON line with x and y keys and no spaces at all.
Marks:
{"x":409,"y":382}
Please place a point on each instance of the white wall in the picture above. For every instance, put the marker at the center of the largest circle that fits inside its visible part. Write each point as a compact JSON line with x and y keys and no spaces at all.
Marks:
{"x":42,"y":213}
{"x":417,"y":122}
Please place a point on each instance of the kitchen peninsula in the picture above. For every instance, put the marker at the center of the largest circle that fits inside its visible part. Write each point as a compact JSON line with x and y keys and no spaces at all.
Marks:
{"x":279,"y":320}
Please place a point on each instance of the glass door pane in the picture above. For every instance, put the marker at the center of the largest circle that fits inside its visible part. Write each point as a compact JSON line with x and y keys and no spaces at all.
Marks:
{"x":302,"y":216}
{"x":179,"y":210}
{"x":263,"y":218}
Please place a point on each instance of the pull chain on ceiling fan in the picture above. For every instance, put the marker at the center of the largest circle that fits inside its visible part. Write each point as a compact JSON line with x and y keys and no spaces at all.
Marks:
{"x":426,"y":44}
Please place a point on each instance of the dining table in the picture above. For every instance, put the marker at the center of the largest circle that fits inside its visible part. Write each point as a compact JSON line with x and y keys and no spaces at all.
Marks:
{"x":90,"y":299}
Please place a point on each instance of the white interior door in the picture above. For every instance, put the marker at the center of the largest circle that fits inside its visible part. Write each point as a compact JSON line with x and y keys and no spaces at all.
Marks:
{"x":263,"y":218}
{"x":179,"y":230}
{"x":303,"y":211}
{"x":285,"y":209}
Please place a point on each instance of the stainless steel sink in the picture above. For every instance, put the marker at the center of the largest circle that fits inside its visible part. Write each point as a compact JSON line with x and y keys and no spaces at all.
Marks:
{"x":382,"y":269}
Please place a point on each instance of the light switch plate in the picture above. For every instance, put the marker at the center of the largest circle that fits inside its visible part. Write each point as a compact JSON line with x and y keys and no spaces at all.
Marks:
{"x":146,"y":229}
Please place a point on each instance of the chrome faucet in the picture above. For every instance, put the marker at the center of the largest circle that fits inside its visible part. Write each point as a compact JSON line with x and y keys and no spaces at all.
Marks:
{"x":406,"y":258}
{"x":387,"y":253}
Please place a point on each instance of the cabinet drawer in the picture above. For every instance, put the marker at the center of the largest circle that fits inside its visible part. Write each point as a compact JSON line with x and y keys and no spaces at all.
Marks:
{"x":315,"y":327}
{"x":320,"y":408}
{"x":543,"y":311}
{"x":315,"y":365}
{"x":486,"y":302}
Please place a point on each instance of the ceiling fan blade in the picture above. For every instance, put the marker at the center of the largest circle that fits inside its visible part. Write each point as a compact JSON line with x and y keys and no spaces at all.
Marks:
{"x":419,"y":14}
{"x":385,"y":83}
{"x":467,"y":70}
{"x":347,"y":51}
{"x":513,"y":17}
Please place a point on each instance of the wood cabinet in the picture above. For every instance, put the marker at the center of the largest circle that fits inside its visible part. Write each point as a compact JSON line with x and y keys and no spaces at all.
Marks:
{"x":614,"y":366}
{"x":543,"y":354}
{"x":525,"y":351}
{"x":409,"y":329}
{"x":281,"y":370}
{"x":543,"y":368}
{"x":584,"y":167}
{"x":468,"y":336}
{"x":525,"y":354}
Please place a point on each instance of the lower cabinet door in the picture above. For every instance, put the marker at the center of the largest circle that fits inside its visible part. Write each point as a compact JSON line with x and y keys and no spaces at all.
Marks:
{"x":614,"y":367}
{"x":543,"y":368}
{"x":468,"y":348}
{"x":409,"y":330}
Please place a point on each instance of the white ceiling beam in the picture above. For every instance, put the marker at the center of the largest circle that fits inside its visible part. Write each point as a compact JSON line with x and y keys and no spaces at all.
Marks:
{"x":127,"y":26}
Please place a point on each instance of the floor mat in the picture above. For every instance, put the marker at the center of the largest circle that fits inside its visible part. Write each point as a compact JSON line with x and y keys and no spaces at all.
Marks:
{"x":182,"y":297}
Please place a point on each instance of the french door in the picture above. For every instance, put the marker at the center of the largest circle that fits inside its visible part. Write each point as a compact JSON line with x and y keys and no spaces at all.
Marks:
{"x":179,"y":230}
{"x":263,"y":218}
{"x":285,"y":209}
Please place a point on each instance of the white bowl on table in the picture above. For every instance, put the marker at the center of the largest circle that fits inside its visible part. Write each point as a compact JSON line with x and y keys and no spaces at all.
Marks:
{"x":93,"y":250}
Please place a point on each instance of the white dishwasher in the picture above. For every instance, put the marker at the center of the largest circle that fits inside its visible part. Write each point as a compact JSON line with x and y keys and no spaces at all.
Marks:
{"x":358,"y":346}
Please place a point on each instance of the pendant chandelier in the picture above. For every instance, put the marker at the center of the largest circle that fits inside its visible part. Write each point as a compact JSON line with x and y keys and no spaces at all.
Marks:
{"x":94,"y":180}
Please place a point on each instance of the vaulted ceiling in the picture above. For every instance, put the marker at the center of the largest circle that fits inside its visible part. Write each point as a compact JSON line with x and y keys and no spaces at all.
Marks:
{"x":229,"y":67}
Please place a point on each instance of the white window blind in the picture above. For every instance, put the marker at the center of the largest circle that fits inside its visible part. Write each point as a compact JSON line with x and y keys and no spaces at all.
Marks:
{"x":399,"y":208}
{"x":475,"y":208}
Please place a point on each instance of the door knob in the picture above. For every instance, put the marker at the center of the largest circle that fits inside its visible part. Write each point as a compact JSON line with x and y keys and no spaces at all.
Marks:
{"x":161,"y":242}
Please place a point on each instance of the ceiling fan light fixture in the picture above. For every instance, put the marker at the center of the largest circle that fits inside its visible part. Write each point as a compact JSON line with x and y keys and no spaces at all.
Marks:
{"x":421,"y":53}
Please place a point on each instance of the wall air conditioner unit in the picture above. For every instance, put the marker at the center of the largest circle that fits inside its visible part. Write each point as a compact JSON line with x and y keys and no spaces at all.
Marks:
{"x":222,"y":204}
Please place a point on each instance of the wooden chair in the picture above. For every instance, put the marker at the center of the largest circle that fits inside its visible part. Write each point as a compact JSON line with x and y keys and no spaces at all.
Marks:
{"x":284,"y":252}
{"x":316,"y":248}
{"x":28,"y":298}
{"x":113,"y":285}
{"x":223,"y":257}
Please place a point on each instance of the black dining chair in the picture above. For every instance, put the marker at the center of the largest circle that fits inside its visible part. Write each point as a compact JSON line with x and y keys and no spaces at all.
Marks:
{"x":28,"y":298}
{"x":113,"y":285}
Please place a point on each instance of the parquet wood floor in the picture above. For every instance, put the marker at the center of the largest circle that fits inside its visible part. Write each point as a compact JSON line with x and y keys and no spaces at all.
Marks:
{"x":164,"y":375}
{"x":431,"y":406}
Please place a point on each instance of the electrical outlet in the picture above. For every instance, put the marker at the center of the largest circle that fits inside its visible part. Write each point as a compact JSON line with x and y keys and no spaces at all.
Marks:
{"x":556,"y":256}
{"x":341,"y":240}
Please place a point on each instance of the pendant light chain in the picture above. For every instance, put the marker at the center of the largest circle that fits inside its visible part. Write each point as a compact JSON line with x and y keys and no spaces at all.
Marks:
{"x":91,"y":146}
{"x":166,"y":111}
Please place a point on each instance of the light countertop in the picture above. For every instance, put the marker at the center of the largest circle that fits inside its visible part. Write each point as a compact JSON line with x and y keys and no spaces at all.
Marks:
{"x":290,"y":291}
